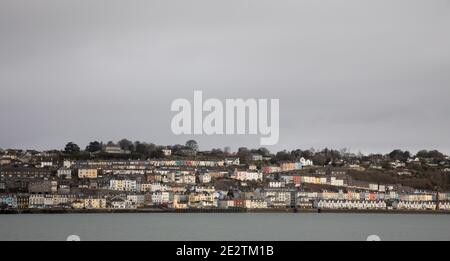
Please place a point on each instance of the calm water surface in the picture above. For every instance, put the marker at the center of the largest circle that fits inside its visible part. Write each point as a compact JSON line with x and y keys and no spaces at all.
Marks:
{"x":233,"y":226}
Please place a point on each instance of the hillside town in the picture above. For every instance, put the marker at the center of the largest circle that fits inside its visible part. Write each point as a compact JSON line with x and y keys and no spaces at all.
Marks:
{"x":127,"y":176}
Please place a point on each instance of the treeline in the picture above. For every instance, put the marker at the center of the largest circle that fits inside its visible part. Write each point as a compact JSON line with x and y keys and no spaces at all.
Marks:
{"x":138,"y":149}
{"x":340,"y":157}
{"x":129,"y":149}
{"x":426,"y":180}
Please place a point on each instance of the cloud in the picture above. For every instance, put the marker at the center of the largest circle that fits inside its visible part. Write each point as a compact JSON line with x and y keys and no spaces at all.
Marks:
{"x":369,"y":75}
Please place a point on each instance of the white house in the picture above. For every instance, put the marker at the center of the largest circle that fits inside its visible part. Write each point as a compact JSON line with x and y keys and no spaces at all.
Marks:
{"x":118,"y":203}
{"x":64,"y":173}
{"x":232,"y":161}
{"x":257,"y":157}
{"x":351,"y":204}
{"x":306,"y":162}
{"x":36,"y":201}
{"x":278,"y":198}
{"x":161,"y":197}
{"x":136,"y":200}
{"x":247,"y":176}
{"x":123,"y":185}
{"x":416,"y":205}
{"x":167,"y":152}
{"x":276,"y":184}
{"x":46,"y":164}
{"x":444,"y":206}
{"x":205,"y":178}
{"x":255,"y":204}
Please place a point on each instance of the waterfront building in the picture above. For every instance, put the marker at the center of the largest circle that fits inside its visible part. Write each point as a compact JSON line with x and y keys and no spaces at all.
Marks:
{"x":444,"y":206}
{"x":161,"y":197}
{"x":78,"y":204}
{"x":202,"y":200}
{"x":118,"y":203}
{"x":94,"y":203}
{"x":415,"y":205}
{"x":180,"y":201}
{"x":136,"y":200}
{"x":36,"y":201}
{"x":351,"y":204}
{"x":278,"y":198}
{"x":8,"y":200}
{"x":255,"y":204}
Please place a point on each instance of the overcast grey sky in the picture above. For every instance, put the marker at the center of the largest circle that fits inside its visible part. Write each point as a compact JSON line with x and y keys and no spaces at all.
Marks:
{"x":366,"y":75}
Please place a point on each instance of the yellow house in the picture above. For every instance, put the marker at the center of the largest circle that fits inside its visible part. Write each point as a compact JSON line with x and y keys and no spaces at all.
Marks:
{"x":316,"y":180}
{"x":78,"y":204}
{"x":202,"y":200}
{"x":87,"y":173}
{"x":95,"y":203}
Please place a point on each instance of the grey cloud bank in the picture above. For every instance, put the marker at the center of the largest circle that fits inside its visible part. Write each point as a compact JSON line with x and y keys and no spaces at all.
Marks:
{"x":368,"y":75}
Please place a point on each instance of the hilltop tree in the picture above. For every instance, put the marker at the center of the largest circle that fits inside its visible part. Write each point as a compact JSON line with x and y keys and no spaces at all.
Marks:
{"x":264,"y":151}
{"x":244,"y":155}
{"x":399,"y":155}
{"x":141,"y":148}
{"x":144,"y":148}
{"x":283,"y":156}
{"x":217,"y":152}
{"x":157,"y":153}
{"x":72,"y":148}
{"x":307,"y":154}
{"x":126,"y":145}
{"x":94,"y":146}
{"x":192,"y":144}
{"x":430,"y":154}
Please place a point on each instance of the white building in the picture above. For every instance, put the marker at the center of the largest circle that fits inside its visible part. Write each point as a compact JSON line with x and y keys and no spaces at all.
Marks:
{"x":416,"y":205}
{"x":205,"y":178}
{"x":306,"y":162}
{"x":46,"y":164}
{"x":67,"y":164}
{"x":159,"y":198}
{"x":119,"y":203}
{"x":255,"y":204}
{"x":136,"y":200}
{"x":373,"y":187}
{"x":123,"y":185}
{"x":444,"y":206}
{"x":257,"y":157}
{"x":232,"y":161}
{"x":247,"y":176}
{"x":153,"y":187}
{"x":64,"y":173}
{"x":185,"y":177}
{"x":351,"y":204}
{"x":276,"y":184}
{"x":36,"y":201}
{"x":336,"y":182}
{"x":278,"y":198}
{"x":167,"y":152}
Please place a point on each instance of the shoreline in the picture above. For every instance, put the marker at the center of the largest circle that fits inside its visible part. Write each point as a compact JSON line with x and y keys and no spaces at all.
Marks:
{"x":218,"y":211}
